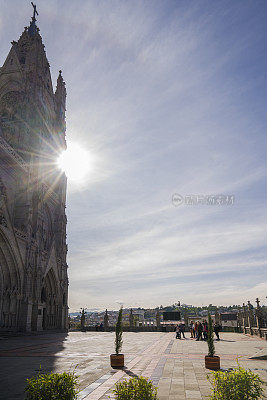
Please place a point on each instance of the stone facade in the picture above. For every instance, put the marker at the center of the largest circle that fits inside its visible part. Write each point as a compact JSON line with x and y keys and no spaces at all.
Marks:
{"x":33,"y":269}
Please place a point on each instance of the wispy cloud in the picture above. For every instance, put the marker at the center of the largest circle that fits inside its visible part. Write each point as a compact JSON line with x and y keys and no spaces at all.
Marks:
{"x":169,"y":98}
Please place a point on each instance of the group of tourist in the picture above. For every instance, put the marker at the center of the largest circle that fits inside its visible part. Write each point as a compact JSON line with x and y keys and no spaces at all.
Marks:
{"x":180,"y":329}
{"x":198,"y":330}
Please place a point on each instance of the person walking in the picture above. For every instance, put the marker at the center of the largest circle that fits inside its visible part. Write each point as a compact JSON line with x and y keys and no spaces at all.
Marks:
{"x":199,"y":331}
{"x":205,"y":330}
{"x":182,"y":329}
{"x":177,"y":330}
{"x":192,"y":330}
{"x":217,"y":329}
{"x":195,"y":328}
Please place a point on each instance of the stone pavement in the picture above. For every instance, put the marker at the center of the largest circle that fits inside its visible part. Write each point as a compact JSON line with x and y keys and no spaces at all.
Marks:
{"x":175,"y":366}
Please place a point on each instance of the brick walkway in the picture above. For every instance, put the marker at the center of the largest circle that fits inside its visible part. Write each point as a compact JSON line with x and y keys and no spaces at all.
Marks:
{"x":177,"y":370}
{"x":175,"y":366}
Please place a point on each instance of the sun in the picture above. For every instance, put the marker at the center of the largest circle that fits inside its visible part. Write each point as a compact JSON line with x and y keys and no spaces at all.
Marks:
{"x":76,"y":162}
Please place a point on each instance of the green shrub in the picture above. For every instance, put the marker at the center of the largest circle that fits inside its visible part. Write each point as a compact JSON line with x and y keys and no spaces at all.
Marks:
{"x":52,"y":387}
{"x":238,"y":384}
{"x":135,"y":389}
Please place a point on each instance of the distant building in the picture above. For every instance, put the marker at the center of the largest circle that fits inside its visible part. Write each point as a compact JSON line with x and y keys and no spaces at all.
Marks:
{"x":229,"y":320}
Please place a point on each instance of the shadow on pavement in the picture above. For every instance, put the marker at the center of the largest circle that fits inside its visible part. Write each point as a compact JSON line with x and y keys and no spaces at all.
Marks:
{"x":25,"y":356}
{"x":130,"y":373}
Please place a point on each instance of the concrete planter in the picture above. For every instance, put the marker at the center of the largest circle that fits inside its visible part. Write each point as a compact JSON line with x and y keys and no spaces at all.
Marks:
{"x":117,"y":361}
{"x":212,"y":362}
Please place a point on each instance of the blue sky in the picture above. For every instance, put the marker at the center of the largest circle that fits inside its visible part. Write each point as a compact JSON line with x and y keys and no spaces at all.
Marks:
{"x":168,"y":97}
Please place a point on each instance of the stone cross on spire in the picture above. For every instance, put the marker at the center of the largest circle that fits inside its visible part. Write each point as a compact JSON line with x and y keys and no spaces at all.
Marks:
{"x":33,"y":28}
{"x":35,"y":12}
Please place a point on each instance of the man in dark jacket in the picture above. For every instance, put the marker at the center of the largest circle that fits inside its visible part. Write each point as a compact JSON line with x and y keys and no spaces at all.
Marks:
{"x":178,"y":333}
{"x":217,"y":329}
{"x":182,"y":329}
{"x":199,"y":331}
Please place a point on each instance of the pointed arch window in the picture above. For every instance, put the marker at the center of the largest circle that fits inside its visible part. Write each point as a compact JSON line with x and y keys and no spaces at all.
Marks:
{"x":43,"y":295}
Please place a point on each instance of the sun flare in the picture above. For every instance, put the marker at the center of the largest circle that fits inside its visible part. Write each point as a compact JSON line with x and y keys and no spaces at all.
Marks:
{"x":76,"y":162}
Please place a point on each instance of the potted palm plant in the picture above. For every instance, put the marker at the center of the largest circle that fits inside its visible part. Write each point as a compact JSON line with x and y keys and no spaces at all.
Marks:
{"x":117,"y":359}
{"x":211,"y":361}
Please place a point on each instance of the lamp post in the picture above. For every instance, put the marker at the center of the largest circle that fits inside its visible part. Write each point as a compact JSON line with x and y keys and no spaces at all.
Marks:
{"x":106,"y":321}
{"x":158,"y":319}
{"x":179,"y":307}
{"x":258,"y":316}
{"x":131,"y":320}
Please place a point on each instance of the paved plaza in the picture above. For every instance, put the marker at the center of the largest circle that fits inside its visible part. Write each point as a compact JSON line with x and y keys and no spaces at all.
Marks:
{"x":175,"y":366}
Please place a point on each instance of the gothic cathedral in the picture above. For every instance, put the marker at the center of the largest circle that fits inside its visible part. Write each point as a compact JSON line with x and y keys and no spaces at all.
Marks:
{"x":33,"y":269}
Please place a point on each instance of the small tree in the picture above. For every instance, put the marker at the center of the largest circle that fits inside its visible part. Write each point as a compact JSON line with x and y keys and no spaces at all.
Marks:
{"x":210,"y":337}
{"x":118,"y":333}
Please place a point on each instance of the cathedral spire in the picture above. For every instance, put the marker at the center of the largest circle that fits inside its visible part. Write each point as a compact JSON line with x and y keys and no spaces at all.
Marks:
{"x":60,"y":97}
{"x":60,"y":93}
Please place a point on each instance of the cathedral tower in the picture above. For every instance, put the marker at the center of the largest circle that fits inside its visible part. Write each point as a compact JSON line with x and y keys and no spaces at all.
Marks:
{"x":33,"y":269}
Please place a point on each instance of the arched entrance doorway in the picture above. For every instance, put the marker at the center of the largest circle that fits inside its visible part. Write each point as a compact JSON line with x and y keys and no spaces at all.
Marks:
{"x":51,"y":302}
{"x":9,"y":287}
